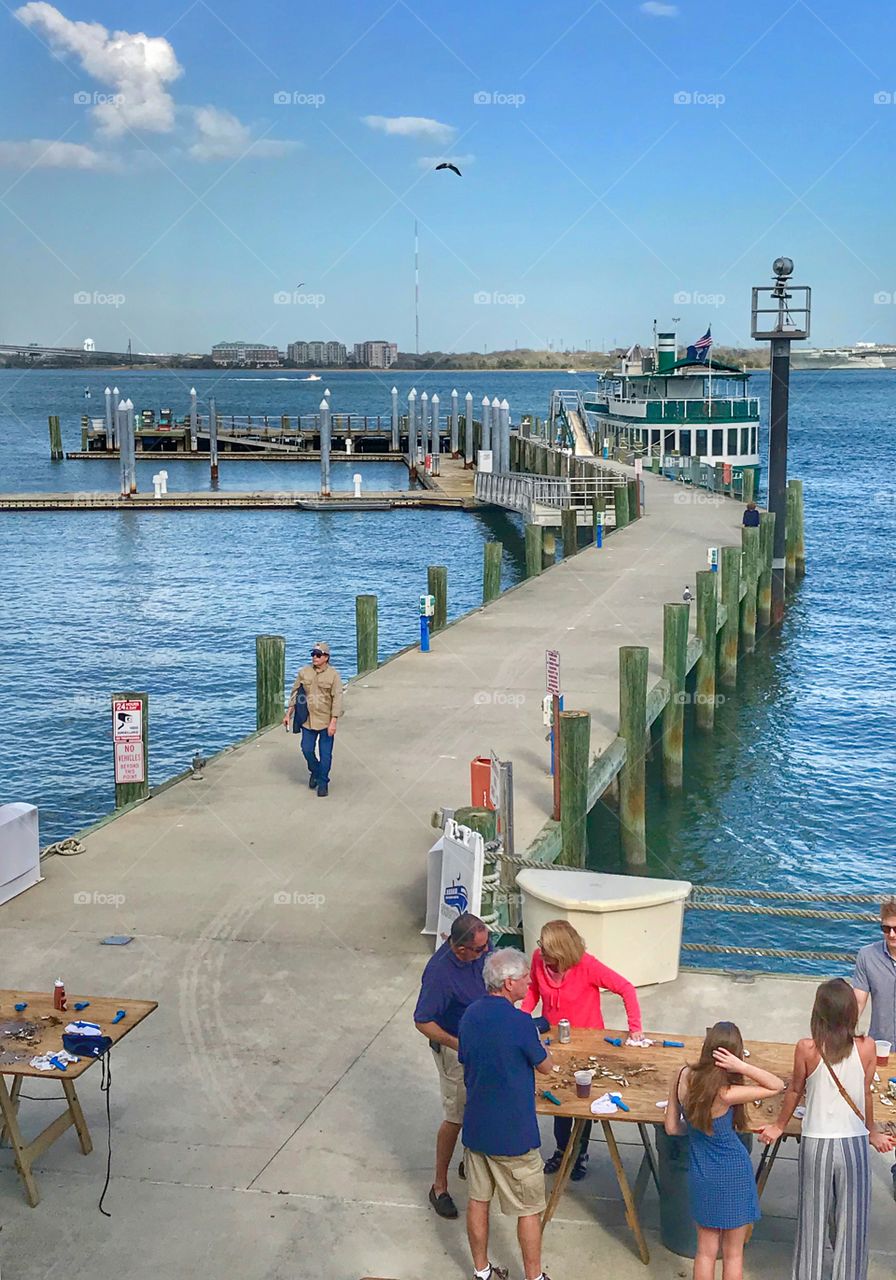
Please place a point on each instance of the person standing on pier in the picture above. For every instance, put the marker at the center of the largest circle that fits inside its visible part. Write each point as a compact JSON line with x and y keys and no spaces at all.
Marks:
{"x":874,"y":977}
{"x":452,"y":981}
{"x":751,"y":516}
{"x":322,"y":687}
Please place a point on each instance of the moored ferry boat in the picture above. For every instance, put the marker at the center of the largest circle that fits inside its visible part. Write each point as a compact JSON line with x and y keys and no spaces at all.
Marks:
{"x":693,"y":409}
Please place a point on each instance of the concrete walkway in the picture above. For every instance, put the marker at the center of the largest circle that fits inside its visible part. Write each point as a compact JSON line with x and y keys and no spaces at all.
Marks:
{"x":275,"y":1118}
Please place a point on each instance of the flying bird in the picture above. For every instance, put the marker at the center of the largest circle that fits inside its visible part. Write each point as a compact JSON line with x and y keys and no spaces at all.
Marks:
{"x":686,"y":595}
{"x":452,"y":167}
{"x":299,"y":285}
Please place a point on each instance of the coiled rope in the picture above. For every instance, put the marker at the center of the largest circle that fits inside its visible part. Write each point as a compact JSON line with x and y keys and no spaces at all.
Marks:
{"x":64,"y":848}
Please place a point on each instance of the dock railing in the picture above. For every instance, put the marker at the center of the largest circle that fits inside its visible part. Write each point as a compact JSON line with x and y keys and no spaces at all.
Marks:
{"x":541,"y":499}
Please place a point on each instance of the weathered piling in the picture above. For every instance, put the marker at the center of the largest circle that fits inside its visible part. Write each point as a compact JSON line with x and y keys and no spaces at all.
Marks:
{"x":491,"y":571}
{"x":128,"y":792}
{"x":575,"y":753}
{"x":534,"y":550}
{"x":121,"y":418}
{"x":790,"y":537}
{"x":468,"y":429}
{"x":549,"y":548}
{"x":485,"y":821}
{"x":437,"y":585}
{"x":85,"y":430}
{"x":620,"y":500}
{"x":213,"y":440}
{"x":634,"y":499}
{"x":270,"y":678}
{"x":110,"y":421}
{"x":485,"y":438}
{"x":395,"y":440}
{"x":707,"y":622}
{"x":569,"y":531}
{"x":132,"y":446}
{"x":412,"y":430}
{"x":675,"y":649}
{"x":424,"y":423}
{"x":749,"y":540}
{"x":56,"y":452}
{"x":731,"y":600}
{"x":325,"y":449}
{"x":749,"y":484}
{"x":766,"y":551}
{"x":799,"y":532}
{"x":455,"y":436}
{"x":367,"y":633}
{"x":632,"y":775}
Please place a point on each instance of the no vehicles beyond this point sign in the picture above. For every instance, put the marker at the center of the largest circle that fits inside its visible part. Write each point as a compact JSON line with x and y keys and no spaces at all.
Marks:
{"x":552,"y":671}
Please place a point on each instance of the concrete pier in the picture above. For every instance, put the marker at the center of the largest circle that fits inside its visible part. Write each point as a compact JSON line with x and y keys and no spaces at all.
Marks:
{"x":275,"y":1118}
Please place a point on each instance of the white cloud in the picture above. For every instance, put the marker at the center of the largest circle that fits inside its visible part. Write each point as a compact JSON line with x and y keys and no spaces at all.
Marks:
{"x":412,"y":127}
{"x":222,"y":136}
{"x":136,"y":66}
{"x":430,"y":162}
{"x":659,"y":10}
{"x":39,"y":153}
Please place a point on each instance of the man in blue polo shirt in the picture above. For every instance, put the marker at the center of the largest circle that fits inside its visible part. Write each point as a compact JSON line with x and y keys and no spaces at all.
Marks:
{"x":499,"y":1048}
{"x":875,"y":976}
{"x":452,"y":980}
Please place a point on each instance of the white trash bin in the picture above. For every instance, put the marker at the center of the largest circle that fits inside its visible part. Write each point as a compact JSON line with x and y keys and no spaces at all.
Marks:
{"x":631,"y":923}
{"x":19,"y":849}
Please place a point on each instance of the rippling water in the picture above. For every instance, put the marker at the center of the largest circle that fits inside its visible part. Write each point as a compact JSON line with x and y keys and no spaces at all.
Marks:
{"x":793,"y":790}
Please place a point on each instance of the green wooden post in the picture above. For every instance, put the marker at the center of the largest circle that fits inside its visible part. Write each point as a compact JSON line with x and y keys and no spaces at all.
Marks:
{"x":675,"y":648}
{"x":620,"y":498}
{"x":548,"y":548}
{"x":485,"y":821}
{"x":764,"y":593}
{"x":633,"y":728}
{"x":127,"y":792}
{"x":655,"y":464}
{"x":598,"y":507}
{"x":731,"y":599}
{"x":270,"y":679}
{"x":634,"y":500}
{"x":534,"y":550}
{"x":749,"y":540}
{"x":491,"y":571}
{"x":437,"y":585}
{"x":569,"y":531}
{"x":707,"y":623}
{"x":367,"y":633}
{"x":799,"y":531}
{"x":749,"y":475}
{"x":790,"y":536}
{"x":55,"y":438}
{"x":575,"y":753}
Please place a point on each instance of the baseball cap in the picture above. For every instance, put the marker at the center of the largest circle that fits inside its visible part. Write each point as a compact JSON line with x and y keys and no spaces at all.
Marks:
{"x":322,"y":645}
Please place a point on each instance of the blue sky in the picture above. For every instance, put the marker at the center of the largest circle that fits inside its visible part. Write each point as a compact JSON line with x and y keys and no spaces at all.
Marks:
{"x":621,"y":161}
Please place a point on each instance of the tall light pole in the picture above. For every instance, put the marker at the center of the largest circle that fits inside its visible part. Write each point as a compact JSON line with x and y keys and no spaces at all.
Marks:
{"x":416,"y":290}
{"x":781,"y":322}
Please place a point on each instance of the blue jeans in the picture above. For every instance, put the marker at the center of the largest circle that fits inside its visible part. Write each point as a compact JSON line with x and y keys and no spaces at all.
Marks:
{"x":563,"y":1132}
{"x":314,"y":741}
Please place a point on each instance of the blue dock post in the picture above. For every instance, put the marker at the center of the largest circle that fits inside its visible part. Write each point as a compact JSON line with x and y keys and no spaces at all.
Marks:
{"x":424,"y":633}
{"x":599,"y":528}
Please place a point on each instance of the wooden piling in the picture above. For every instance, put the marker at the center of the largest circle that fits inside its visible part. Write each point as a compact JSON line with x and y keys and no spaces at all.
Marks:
{"x":485,"y":821}
{"x":128,"y":792}
{"x":56,"y":453}
{"x":270,"y":680}
{"x":749,"y":483}
{"x":799,"y":531}
{"x":437,"y":585}
{"x":491,"y":571}
{"x":367,"y":633}
{"x":620,"y":499}
{"x":85,"y":427}
{"x":675,"y":648}
{"x":749,"y":539}
{"x":634,"y":499}
{"x":730,"y":566}
{"x":575,"y":753}
{"x":534,"y":550}
{"x":569,"y":532}
{"x":549,"y":548}
{"x":633,"y":728}
{"x":707,"y":621}
{"x":764,"y":592}
{"x":790,"y":536}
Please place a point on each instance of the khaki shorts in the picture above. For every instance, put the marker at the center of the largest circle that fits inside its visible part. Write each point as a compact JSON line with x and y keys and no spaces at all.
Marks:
{"x":451,"y":1083}
{"x":518,"y":1180}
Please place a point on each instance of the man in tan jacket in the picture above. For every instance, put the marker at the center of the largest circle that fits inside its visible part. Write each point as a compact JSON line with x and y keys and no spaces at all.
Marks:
{"x":323,"y":695}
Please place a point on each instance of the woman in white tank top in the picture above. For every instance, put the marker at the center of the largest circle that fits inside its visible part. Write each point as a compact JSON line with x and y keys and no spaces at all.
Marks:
{"x":835,"y":1068}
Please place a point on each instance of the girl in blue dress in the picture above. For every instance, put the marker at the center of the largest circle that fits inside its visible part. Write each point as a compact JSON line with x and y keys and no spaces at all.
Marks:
{"x":707,"y":1102}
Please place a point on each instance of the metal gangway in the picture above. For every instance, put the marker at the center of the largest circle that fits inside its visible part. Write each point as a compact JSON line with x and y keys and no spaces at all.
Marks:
{"x":541,"y":499}
{"x":569,"y":422}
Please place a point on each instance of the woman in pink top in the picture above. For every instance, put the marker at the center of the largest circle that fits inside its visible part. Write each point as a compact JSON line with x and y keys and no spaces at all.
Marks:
{"x":568,"y":981}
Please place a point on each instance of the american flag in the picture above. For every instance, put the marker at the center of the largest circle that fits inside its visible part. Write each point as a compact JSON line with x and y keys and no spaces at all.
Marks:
{"x":700,"y":349}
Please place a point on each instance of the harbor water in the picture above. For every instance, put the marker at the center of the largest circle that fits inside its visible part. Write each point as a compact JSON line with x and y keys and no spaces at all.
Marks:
{"x":794,"y":790}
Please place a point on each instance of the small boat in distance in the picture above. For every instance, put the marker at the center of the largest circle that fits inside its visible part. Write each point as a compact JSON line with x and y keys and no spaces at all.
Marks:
{"x":570,"y":370}
{"x":312,"y":377}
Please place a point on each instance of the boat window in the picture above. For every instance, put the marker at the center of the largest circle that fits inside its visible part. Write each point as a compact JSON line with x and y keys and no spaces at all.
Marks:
{"x":668,"y":442}
{"x":654,"y":437}
{"x":701,"y":443}
{"x":717,"y":442}
{"x":753,"y":431}
{"x":685,"y":446}
{"x":732,"y":440}
{"x":745,"y":439}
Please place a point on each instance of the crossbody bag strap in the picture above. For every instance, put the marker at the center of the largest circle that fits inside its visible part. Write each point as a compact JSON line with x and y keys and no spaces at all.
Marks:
{"x":843,"y":1094}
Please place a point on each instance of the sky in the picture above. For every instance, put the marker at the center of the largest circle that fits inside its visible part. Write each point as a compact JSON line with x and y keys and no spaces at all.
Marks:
{"x":221,"y":171}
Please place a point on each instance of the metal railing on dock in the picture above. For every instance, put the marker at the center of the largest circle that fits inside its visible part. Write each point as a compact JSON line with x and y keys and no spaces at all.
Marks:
{"x":542,"y":498}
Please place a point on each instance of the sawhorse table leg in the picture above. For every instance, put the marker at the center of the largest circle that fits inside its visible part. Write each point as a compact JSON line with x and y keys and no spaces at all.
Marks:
{"x":631,"y":1207}
{"x":27,"y":1153}
{"x":766,"y":1163}
{"x":562,"y":1178}
{"x":14,"y":1099}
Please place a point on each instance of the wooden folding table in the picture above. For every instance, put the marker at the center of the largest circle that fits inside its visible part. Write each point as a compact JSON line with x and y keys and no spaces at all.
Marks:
{"x":43,"y":1027}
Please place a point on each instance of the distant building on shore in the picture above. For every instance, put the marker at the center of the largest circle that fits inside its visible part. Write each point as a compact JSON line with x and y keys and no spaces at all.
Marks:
{"x":376,"y":355}
{"x":317,"y":353}
{"x":246,"y":355}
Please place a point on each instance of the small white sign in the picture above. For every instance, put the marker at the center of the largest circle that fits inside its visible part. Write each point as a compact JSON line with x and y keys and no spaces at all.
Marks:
{"x":639,"y":466}
{"x":129,"y":762}
{"x":712,"y":557}
{"x":463,"y":855}
{"x":484,"y":461}
{"x":127,"y":719}
{"x":552,"y":671}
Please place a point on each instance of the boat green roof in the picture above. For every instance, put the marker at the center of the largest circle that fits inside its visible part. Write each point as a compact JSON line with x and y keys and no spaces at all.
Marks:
{"x":696,"y":365}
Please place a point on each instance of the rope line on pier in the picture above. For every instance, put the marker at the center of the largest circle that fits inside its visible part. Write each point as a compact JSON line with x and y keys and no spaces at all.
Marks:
{"x":700,"y":889}
{"x":801,"y":913}
{"x":776,"y":953}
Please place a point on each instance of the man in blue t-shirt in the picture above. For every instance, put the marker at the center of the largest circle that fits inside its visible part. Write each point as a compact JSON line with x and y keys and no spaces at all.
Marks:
{"x":452,"y":980}
{"x":499,"y":1047}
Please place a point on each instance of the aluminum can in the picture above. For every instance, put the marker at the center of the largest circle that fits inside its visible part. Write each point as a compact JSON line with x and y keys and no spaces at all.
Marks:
{"x":564,"y":1032}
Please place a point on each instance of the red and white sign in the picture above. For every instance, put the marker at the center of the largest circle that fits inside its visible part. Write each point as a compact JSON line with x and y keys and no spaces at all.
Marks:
{"x":552,"y":671}
{"x":129,"y":762}
{"x":127,"y":720}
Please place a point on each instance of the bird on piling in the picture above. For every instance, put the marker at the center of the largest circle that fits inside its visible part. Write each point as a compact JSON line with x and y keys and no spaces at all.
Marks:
{"x":686,"y":595}
{"x":452,"y":167}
